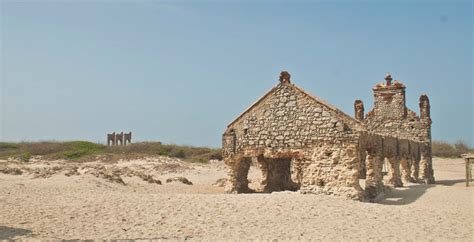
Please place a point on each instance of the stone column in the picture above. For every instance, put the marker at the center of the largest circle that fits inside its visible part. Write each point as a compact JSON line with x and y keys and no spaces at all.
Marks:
{"x":362,"y":165}
{"x":373,"y":181}
{"x":394,"y":177}
{"x":426,"y":170}
{"x":297,"y":167}
{"x":406,"y":170}
{"x":263,"y":165}
{"x":415,"y":168}
{"x":237,"y":176}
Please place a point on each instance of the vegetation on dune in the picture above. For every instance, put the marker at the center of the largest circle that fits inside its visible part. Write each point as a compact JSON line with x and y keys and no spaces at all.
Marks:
{"x":77,"y":150}
{"x":187,"y":153}
{"x":54,"y":150}
{"x":444,"y":149}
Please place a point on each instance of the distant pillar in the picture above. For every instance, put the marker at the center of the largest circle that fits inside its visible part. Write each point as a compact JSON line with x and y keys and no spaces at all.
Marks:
{"x":426,"y":163}
{"x":424,"y":107}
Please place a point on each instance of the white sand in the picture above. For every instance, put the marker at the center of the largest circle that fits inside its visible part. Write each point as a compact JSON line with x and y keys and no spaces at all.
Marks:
{"x":87,"y":207}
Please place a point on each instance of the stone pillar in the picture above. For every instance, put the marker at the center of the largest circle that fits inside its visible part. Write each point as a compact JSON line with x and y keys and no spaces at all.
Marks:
{"x":237,"y":175}
{"x":263,"y":165}
{"x":373,"y":181}
{"x":415,"y":168}
{"x":426,"y":169}
{"x":426,"y":165}
{"x":297,"y":168}
{"x":362,"y":165}
{"x":405,"y":166}
{"x":394,"y":177}
{"x":423,"y":176}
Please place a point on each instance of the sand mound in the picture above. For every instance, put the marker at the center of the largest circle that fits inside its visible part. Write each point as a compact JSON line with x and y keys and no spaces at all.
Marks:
{"x":147,"y":169}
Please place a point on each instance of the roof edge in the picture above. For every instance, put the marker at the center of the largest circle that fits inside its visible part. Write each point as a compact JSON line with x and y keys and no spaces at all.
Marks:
{"x":319,"y":100}
{"x":254,"y":104}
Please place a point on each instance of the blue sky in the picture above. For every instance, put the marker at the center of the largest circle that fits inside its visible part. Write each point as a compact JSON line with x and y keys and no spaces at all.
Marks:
{"x":180,"y":71}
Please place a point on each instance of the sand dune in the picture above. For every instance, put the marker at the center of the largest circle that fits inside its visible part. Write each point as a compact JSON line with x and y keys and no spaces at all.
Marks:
{"x":90,"y":206}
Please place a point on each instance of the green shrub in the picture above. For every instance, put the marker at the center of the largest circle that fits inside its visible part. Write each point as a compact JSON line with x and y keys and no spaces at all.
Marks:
{"x":25,"y":156}
{"x":178,"y":153}
{"x":78,"y":149}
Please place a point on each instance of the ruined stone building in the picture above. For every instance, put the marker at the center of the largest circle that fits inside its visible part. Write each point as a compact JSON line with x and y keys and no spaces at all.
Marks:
{"x":301,"y":142}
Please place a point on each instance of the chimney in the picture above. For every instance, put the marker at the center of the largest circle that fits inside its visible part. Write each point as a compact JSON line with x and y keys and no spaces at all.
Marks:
{"x":359,"y":110}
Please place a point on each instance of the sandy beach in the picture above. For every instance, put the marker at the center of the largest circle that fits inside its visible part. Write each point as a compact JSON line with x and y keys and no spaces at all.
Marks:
{"x":85,"y":201}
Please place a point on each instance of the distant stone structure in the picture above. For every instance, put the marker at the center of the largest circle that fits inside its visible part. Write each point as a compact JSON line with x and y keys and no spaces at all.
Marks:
{"x":301,"y":142}
{"x":111,"y":139}
{"x":119,"y":139}
{"x":127,"y":137}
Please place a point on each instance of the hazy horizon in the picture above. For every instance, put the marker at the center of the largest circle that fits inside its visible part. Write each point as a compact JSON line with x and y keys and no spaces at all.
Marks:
{"x":179,"y":72}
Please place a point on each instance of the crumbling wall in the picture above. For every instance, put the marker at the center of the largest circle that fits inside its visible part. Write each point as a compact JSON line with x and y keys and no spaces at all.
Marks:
{"x":333,"y":169}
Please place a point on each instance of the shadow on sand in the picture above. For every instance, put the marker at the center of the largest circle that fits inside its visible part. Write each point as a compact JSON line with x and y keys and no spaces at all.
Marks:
{"x":404,"y":195}
{"x":409,"y":194}
{"x":451,"y":182}
{"x":8,"y":233}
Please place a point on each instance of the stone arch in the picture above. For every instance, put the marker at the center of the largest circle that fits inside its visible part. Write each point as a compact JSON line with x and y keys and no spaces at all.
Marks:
{"x":276,"y":173}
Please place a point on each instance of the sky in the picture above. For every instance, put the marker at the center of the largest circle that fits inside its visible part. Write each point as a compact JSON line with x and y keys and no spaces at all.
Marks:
{"x":180,"y":71}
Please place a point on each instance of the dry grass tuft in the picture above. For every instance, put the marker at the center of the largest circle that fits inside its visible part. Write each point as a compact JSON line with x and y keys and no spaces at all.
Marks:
{"x":445,"y":149}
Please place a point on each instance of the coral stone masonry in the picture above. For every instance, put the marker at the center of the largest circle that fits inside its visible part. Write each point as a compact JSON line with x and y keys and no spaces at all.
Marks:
{"x":301,"y":142}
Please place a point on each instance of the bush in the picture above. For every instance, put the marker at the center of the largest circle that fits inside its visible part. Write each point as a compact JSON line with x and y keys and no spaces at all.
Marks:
{"x":8,"y":146}
{"x":78,"y":149}
{"x":444,"y":149}
{"x":178,"y":153}
{"x":461,"y":147}
{"x":25,"y":156}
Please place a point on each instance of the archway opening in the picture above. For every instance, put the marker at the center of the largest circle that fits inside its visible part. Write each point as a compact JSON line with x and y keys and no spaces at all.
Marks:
{"x":276,"y":174}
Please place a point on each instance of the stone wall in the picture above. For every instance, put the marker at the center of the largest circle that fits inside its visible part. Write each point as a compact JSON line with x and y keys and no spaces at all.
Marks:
{"x":288,"y":117}
{"x":333,"y":170}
